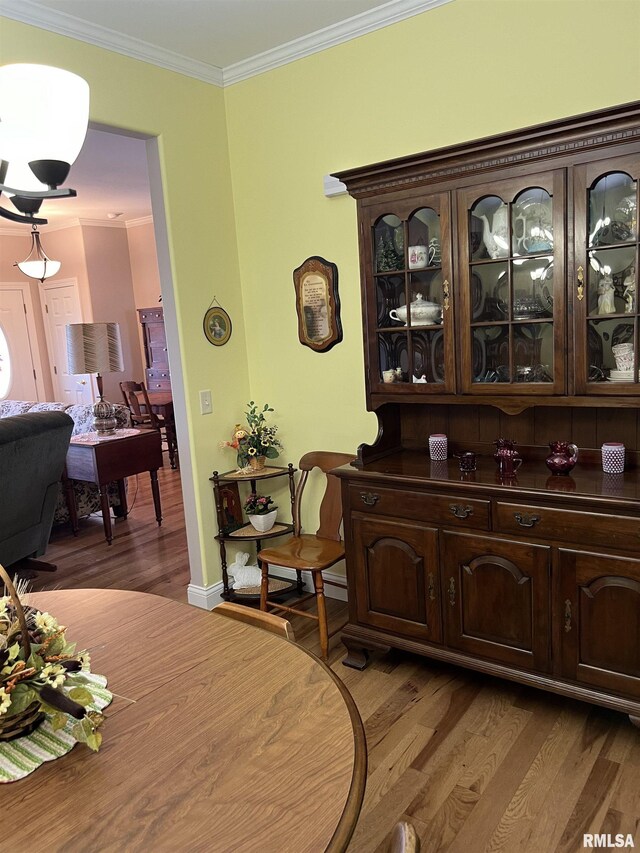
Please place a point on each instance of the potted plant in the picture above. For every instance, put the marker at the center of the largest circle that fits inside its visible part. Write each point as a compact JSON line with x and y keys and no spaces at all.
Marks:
{"x":261,"y":512}
{"x":261,"y":442}
{"x":256,"y":442}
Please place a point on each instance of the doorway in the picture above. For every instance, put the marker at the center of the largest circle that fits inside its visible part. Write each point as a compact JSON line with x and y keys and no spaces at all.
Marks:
{"x":61,"y":306}
{"x":21,"y":371}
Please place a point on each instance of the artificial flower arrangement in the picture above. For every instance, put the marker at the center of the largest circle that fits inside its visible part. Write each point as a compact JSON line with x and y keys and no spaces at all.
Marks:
{"x":259,"y":504}
{"x":256,"y":439}
{"x":42,"y":675}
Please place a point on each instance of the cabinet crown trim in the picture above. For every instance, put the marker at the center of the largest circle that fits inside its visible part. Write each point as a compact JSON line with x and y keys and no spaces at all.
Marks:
{"x":539,"y":142}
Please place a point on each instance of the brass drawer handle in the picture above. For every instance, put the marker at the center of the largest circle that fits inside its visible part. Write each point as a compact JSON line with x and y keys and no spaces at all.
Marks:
{"x":567,"y":615}
{"x":452,"y":591}
{"x":461,"y":511}
{"x":431,"y":588}
{"x":526,"y":520}
{"x":369,"y":498}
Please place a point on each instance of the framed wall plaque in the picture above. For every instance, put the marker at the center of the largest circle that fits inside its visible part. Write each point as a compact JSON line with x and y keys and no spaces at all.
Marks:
{"x":318,"y":304}
{"x":217,"y":326}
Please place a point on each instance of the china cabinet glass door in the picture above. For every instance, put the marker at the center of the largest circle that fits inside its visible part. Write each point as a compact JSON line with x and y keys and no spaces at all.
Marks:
{"x":605,"y":288}
{"x":512,"y":281}
{"x":411,"y":314}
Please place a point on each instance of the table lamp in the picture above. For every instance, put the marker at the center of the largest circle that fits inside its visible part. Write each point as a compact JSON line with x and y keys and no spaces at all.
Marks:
{"x":95,"y":348}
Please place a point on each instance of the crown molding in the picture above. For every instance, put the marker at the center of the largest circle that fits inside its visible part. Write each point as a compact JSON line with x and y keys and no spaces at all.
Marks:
{"x":359,"y":25}
{"x":30,"y":12}
{"x":141,"y":220}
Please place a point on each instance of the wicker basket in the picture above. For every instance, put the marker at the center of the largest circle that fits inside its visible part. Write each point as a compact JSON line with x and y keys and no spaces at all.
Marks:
{"x":24,"y":722}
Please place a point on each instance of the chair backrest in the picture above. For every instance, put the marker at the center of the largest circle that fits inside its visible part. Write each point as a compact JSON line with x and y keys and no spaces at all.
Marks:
{"x":130,"y":391}
{"x":269,"y":621}
{"x":331,"y":505}
{"x":33,"y":451}
{"x":404,"y":839}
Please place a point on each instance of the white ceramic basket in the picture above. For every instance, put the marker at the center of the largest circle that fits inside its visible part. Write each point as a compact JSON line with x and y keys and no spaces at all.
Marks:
{"x":265,"y":522}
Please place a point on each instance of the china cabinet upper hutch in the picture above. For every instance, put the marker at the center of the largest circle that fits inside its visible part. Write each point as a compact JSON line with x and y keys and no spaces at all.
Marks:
{"x":500,"y":298}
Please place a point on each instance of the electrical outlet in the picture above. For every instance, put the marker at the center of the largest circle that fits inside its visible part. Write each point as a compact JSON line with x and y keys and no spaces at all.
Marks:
{"x":206,"y":406}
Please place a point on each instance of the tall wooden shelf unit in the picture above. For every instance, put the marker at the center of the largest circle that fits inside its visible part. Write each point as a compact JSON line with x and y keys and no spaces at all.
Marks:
{"x":533,"y":258}
{"x":157,"y":374}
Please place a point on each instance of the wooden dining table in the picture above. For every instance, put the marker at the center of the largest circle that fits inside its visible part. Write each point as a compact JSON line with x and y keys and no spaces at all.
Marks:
{"x":220,"y":737}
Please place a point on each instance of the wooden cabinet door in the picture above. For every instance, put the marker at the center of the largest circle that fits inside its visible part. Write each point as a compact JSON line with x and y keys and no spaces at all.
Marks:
{"x":511,"y":242}
{"x":600,"y":614}
{"x":396,"y":577}
{"x":604,"y":284}
{"x":408,"y":295}
{"x":496,"y":599}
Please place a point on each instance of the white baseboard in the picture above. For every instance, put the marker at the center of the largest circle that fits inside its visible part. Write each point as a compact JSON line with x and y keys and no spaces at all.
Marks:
{"x":207,"y":597}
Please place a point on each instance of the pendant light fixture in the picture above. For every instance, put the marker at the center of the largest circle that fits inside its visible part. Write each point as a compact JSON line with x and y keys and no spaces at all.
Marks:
{"x":45,"y":113}
{"x":37,"y":264}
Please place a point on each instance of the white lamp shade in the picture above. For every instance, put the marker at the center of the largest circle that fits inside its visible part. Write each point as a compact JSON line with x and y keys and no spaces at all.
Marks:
{"x":94,"y":348}
{"x":45,"y":113}
{"x":39,"y":269}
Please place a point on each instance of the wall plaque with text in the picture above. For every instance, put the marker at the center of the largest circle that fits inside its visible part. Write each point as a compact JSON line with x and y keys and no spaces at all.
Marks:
{"x":318,"y":304}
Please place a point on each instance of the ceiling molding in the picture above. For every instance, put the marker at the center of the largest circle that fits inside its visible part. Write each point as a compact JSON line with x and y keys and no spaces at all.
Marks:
{"x":141,"y":220}
{"x":29,"y":12}
{"x":358,"y":25}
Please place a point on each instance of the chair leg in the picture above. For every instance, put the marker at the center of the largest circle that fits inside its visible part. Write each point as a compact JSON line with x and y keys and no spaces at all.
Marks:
{"x":264,"y":585}
{"x":318,"y":583}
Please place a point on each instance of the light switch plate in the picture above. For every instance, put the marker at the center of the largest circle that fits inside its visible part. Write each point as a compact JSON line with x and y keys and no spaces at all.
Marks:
{"x":206,"y":406}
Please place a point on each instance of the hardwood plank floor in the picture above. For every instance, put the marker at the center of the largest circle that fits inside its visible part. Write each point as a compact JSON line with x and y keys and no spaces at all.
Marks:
{"x":475,"y":763}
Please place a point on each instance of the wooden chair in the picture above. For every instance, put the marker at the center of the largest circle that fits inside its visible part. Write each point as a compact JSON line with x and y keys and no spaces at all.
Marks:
{"x":148,"y":418}
{"x":130,"y":391}
{"x":269,"y":621}
{"x":313,"y":552}
{"x":404,"y":839}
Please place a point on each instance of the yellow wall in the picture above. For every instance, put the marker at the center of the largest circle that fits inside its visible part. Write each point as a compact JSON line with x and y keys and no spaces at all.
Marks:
{"x":188,"y":116}
{"x":468,"y":69}
{"x":464,"y":70}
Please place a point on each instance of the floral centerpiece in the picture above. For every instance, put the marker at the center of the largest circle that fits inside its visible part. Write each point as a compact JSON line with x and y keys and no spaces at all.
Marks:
{"x":42,"y":674}
{"x":255,"y":442}
{"x":261,"y":511}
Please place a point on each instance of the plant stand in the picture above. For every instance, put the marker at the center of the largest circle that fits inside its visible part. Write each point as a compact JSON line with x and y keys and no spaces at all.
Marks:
{"x":245,"y":532}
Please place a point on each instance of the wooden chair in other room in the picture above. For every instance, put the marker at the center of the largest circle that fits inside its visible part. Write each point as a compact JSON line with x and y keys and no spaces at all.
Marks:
{"x":148,"y":418}
{"x":404,"y":839}
{"x":269,"y":621}
{"x":130,"y":391}
{"x":311,"y":552}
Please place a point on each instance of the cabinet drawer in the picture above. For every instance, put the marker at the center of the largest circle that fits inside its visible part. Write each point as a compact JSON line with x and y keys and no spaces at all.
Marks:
{"x":158,"y":380}
{"x":587,"y":528}
{"x":151,"y":315}
{"x":436,"y":509}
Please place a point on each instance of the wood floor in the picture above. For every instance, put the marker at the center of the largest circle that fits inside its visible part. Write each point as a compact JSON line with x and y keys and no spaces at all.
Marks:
{"x":477,"y":764}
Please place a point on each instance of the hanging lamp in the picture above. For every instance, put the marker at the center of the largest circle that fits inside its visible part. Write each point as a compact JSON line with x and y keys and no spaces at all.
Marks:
{"x":45,"y":114}
{"x":37,"y":264}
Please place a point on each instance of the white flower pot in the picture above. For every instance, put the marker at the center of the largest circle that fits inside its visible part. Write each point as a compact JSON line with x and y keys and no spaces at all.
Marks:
{"x":265,"y":522}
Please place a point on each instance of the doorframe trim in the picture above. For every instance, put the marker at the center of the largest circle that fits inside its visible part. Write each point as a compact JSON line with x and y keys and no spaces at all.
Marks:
{"x":41,"y":367}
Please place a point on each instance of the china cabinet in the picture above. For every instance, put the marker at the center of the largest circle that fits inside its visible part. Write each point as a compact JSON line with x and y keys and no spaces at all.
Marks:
{"x":234,"y":527}
{"x":499,"y":291}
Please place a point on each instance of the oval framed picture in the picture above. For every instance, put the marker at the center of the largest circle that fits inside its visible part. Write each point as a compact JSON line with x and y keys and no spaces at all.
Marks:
{"x":217,"y":326}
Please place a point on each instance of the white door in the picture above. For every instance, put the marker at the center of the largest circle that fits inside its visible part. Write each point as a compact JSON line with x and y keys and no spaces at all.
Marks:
{"x":17,"y":377}
{"x":62,"y":306}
